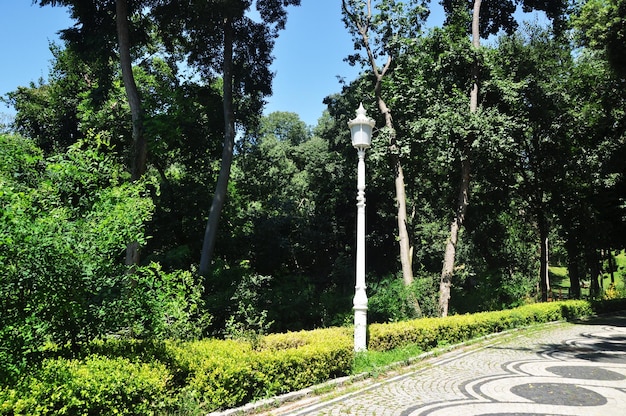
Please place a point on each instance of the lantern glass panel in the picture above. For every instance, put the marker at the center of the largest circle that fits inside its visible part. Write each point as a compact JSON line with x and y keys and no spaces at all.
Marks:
{"x":361,"y":135}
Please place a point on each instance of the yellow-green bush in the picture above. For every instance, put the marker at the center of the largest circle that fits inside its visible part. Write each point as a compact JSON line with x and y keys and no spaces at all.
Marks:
{"x":230,"y":373}
{"x":218,"y":374}
{"x":94,"y":386}
{"x":430,"y":332}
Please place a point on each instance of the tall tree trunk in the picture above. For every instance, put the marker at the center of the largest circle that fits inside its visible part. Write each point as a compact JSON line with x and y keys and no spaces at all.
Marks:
{"x":476,"y":45}
{"x":403,"y":234}
{"x":596,"y":274}
{"x":449,"y":256}
{"x":447,"y":270}
{"x":210,"y":233}
{"x":139,"y":148}
{"x":573,"y":269}
{"x":544,"y":278}
{"x":612,"y":267}
{"x":379,"y":73}
{"x":574,"y":279}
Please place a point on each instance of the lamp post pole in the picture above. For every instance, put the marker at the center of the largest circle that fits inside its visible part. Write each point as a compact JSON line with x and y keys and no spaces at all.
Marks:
{"x":361,"y":131}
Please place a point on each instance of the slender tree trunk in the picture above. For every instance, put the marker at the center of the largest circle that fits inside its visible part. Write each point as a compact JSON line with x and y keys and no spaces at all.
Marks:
{"x":210,"y":233}
{"x":611,"y":265}
{"x":447,"y":270}
{"x":574,"y":280}
{"x":544,"y":278}
{"x":601,"y":256}
{"x":139,"y":145}
{"x":449,"y":256}
{"x":476,"y":45}
{"x":362,"y":27}
{"x":403,"y":234}
{"x":573,"y":269}
{"x":596,"y":274}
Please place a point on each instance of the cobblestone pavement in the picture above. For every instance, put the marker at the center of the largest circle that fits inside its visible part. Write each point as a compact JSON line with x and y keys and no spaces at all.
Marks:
{"x":561,"y":369}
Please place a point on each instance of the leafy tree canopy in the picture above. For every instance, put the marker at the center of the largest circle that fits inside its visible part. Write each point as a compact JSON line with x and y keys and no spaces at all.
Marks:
{"x":601,"y":25}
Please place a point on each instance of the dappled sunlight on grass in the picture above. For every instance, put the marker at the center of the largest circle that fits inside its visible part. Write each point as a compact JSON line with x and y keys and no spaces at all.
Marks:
{"x":560,"y":283}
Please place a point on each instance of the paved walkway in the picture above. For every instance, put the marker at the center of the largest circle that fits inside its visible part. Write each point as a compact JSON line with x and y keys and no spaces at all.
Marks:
{"x":560,"y":369}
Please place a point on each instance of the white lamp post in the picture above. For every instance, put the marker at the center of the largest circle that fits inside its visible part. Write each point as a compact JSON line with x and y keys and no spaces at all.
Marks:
{"x":361,"y":130}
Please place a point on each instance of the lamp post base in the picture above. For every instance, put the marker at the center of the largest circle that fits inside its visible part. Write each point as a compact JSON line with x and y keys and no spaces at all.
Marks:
{"x":360,"y":329}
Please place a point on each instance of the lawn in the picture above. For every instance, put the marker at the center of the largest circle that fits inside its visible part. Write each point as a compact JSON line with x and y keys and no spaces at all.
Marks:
{"x":560,"y":284}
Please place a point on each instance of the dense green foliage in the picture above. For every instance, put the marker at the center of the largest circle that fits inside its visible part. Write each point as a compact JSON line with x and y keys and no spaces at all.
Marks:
{"x":231,"y":373}
{"x":96,"y":385}
{"x":65,"y":221}
{"x":286,"y":217}
{"x":601,"y":26}
{"x":547,"y":144}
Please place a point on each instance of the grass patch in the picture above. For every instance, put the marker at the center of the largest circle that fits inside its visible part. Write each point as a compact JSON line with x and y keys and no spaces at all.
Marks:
{"x":560,"y":284}
{"x":619,"y":273}
{"x":375,"y":362}
{"x":558,"y":275}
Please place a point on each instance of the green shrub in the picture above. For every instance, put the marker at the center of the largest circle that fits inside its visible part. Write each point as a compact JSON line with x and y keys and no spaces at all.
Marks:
{"x":609,"y":305}
{"x":238,"y":301}
{"x":135,"y":350}
{"x":163,"y":305}
{"x":298,"y":360}
{"x":63,"y":224}
{"x":430,"y":332}
{"x":391,"y":300}
{"x":230,"y":373}
{"x":94,"y":386}
{"x":248,"y":320}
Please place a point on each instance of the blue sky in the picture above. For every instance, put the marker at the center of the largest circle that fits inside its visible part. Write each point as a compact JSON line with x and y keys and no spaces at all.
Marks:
{"x":308,"y":54}
{"x":25,"y":31}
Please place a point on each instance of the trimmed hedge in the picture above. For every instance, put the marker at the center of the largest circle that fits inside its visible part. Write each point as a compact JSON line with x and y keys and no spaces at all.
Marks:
{"x":428,"y":333}
{"x":143,"y":378}
{"x":217,"y":374}
{"x":231,"y":373}
{"x":96,"y":386}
